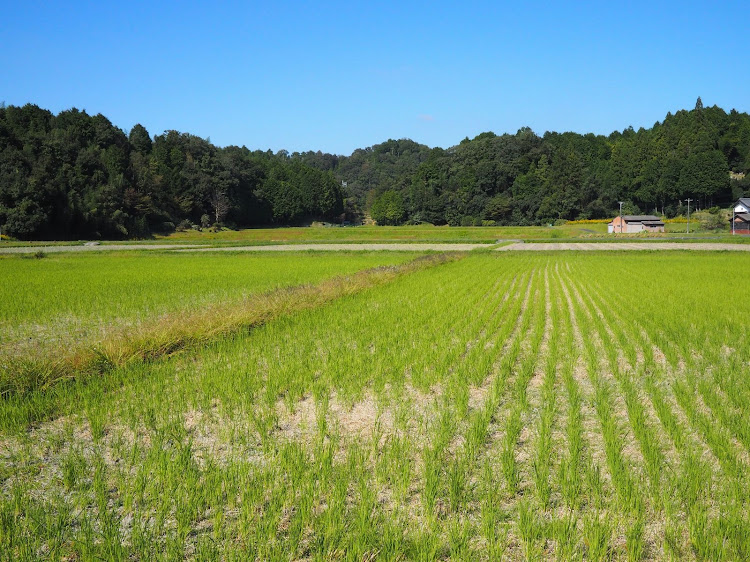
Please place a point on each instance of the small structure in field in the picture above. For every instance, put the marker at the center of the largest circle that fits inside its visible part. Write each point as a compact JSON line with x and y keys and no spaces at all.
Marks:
{"x":741,"y":216}
{"x":635,"y":223}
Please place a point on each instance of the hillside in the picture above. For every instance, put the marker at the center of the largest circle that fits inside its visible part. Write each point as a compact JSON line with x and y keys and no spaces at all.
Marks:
{"x":78,"y":176}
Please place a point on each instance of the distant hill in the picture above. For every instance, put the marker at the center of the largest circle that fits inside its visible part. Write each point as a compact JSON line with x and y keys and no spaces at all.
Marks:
{"x":73,"y":175}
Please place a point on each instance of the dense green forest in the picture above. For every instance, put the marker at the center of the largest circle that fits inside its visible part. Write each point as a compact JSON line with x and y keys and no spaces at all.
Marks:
{"x":78,"y":176}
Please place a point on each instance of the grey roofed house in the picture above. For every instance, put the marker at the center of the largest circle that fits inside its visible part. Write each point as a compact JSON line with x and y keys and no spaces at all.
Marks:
{"x":643,"y":218}
{"x":636,"y":223}
{"x":742,"y":205}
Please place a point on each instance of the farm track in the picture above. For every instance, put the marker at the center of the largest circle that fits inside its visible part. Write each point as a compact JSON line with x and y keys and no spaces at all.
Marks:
{"x":394,"y":247}
{"x":623,"y":246}
{"x":520,"y":406}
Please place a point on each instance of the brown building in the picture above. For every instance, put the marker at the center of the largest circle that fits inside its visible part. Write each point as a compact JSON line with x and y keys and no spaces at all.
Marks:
{"x":635,"y":223}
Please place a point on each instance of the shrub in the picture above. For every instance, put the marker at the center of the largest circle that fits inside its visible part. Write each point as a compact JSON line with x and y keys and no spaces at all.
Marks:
{"x":709,"y":220}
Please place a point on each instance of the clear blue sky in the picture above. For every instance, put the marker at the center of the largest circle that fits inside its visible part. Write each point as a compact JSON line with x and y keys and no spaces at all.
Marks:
{"x":338,"y":76}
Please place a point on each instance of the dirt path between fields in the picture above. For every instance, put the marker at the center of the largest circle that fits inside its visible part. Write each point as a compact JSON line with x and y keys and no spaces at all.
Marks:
{"x":601,"y":246}
{"x":395,"y":247}
{"x":392,"y":247}
{"x":95,"y":248}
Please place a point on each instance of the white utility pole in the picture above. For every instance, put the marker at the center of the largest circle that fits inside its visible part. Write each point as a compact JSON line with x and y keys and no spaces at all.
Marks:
{"x":620,"y":202}
{"x":688,"y":223}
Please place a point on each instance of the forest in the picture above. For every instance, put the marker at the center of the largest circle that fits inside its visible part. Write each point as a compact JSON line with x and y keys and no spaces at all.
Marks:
{"x":73,"y":175}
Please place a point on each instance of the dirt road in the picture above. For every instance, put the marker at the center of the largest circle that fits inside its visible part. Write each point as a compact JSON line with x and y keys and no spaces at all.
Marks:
{"x":392,"y":247}
{"x":603,"y":246}
{"x":97,"y":248}
{"x":395,"y":247}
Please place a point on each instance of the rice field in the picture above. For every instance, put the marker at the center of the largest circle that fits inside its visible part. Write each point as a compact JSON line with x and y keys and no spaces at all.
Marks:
{"x":71,"y":292}
{"x":523,"y":406}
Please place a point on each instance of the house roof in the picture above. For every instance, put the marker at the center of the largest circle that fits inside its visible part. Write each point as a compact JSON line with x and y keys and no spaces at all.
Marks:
{"x":742,"y":216}
{"x":641,"y":218}
{"x":744,"y":201}
{"x":647,"y":220}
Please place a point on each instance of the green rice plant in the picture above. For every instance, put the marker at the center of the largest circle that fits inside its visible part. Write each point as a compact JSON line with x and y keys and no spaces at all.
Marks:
{"x":494,"y":531}
{"x":673,"y":542}
{"x":634,"y":541}
{"x":530,"y":530}
{"x":74,"y":468}
{"x":457,"y":483}
{"x":565,"y":535}
{"x":597,"y":536}
{"x":459,"y":535}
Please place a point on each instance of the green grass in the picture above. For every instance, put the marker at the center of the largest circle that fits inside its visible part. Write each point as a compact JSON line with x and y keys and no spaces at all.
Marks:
{"x":528,"y":406}
{"x":72,"y":296}
{"x":375,"y":234}
{"x":412,"y":234}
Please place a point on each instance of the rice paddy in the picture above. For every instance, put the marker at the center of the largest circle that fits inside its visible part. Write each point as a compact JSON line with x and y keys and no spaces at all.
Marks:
{"x":521,"y":406}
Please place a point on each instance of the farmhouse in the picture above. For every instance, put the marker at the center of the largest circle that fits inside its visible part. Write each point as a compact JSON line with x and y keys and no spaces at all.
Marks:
{"x":741,"y":216}
{"x":636,"y":223}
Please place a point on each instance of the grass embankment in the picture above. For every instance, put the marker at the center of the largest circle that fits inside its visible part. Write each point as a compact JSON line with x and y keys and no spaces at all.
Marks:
{"x":383,"y":234}
{"x":588,"y":232}
{"x":23,"y":370}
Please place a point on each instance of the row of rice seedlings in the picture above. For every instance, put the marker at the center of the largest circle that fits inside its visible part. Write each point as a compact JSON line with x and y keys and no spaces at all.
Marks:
{"x":540,"y":519}
{"x":627,"y":489}
{"x":445,"y":472}
{"x":581,"y":483}
{"x":690,"y":484}
{"x":534,"y":319}
{"x":714,"y":435}
{"x":456,"y":476}
{"x":728,"y":376}
{"x":479,"y":425}
{"x":653,"y":456}
{"x":543,"y":445}
{"x":485,"y":492}
{"x":570,"y":471}
{"x":514,"y":365}
{"x":735,"y":420}
{"x":663,"y":483}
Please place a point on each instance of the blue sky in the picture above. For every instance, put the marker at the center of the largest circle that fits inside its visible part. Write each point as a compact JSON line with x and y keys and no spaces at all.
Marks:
{"x":340,"y":76}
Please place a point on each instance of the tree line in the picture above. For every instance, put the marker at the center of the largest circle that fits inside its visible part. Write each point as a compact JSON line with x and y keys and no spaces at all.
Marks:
{"x":526,"y":179}
{"x":73,"y":175}
{"x":78,"y":176}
